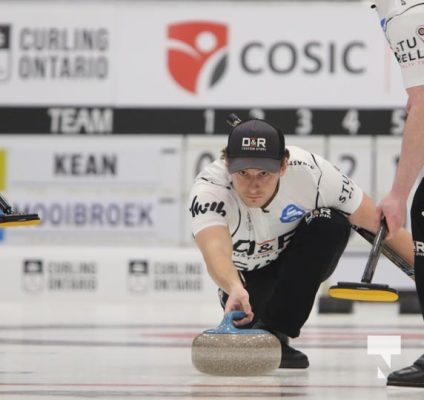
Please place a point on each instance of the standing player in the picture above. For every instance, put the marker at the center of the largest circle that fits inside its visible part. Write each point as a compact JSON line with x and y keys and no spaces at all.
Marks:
{"x":403,"y":24}
{"x":272,"y":223}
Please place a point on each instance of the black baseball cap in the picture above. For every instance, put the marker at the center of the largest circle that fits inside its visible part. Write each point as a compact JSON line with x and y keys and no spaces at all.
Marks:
{"x":255,"y":143}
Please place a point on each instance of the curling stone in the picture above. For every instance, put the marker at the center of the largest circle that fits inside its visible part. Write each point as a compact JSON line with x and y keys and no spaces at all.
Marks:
{"x":229,"y":351}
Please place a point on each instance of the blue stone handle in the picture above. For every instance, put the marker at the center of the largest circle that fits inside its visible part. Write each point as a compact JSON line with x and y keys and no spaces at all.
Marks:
{"x":227,"y":326}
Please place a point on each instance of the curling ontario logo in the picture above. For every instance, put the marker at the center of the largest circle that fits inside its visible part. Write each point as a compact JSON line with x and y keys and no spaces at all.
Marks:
{"x":197,"y":54}
{"x":5,"y":50}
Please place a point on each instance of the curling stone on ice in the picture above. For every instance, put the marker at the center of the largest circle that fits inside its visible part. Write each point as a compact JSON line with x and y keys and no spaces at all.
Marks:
{"x":229,"y":351}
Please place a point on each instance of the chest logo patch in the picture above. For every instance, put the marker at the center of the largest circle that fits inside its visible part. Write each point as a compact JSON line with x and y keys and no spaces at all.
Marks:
{"x":291,"y":213}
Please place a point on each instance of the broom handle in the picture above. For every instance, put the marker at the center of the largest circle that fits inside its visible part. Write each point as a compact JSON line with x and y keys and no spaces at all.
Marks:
{"x":375,"y":253}
{"x":395,"y":258}
{"x":5,"y":206}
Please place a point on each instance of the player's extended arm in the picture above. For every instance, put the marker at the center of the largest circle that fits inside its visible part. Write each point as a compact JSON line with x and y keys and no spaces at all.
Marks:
{"x":216,"y":246}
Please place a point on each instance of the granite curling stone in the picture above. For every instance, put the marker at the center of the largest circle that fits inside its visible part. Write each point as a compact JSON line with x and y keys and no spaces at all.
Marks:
{"x":229,"y":351}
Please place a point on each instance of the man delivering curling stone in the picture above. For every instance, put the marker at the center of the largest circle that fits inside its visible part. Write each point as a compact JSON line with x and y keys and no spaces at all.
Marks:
{"x":272,"y":223}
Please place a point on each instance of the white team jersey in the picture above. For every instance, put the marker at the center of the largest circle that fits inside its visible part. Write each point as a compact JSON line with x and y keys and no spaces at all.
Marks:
{"x":259,"y":235}
{"x":390,"y":8}
{"x":403,"y":24}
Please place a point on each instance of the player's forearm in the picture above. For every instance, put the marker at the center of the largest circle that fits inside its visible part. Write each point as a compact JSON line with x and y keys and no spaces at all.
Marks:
{"x":224,"y":274}
{"x":216,"y":247}
{"x":402,"y":244}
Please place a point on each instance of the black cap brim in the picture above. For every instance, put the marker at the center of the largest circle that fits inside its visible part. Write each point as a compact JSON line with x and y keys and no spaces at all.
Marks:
{"x":265,"y":164}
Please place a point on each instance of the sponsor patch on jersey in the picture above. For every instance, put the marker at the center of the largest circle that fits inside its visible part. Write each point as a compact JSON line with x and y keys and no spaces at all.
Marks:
{"x":291,"y":213}
{"x":318,"y":213}
{"x":197,"y":208}
{"x":419,"y":248}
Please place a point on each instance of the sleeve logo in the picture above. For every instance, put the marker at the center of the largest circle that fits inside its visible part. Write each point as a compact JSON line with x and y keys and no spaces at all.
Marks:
{"x":197,"y":208}
{"x":291,"y":213}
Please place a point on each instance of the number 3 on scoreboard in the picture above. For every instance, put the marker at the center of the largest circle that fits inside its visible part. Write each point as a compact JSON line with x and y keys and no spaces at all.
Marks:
{"x":304,"y":126}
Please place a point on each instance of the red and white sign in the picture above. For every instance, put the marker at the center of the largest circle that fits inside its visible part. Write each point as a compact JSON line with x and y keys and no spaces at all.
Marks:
{"x":158,"y":54}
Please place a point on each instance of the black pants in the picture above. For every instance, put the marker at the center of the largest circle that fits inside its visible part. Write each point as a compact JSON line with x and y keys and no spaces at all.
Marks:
{"x":417,"y":225}
{"x":282,"y":294}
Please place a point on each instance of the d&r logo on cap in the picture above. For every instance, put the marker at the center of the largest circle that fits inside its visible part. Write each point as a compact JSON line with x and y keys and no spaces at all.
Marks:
{"x":253,"y":143}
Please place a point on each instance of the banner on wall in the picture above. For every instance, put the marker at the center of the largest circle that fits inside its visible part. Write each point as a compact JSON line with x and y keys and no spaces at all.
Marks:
{"x":145,"y":54}
{"x":134,"y":274}
{"x":105,"y":273}
{"x":92,"y":191}
{"x":57,"y":53}
{"x":140,"y":67}
{"x":298,"y":55}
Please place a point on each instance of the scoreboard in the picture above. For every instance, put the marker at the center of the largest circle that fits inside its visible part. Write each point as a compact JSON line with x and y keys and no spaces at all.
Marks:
{"x":302,"y":121}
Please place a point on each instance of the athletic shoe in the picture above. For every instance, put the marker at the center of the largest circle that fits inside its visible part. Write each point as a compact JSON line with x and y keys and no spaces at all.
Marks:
{"x":412,"y":376}
{"x":290,"y":357}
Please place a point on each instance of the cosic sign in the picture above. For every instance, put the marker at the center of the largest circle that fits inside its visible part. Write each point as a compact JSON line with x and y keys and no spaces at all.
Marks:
{"x":311,"y":57}
{"x":198,"y":55}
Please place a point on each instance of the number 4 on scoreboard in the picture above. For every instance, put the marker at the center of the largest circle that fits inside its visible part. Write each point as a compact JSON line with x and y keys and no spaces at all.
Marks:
{"x":351,"y":122}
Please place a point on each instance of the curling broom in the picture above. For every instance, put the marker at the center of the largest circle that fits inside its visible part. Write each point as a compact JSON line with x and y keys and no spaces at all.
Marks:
{"x":365,"y":290}
{"x":10,"y":217}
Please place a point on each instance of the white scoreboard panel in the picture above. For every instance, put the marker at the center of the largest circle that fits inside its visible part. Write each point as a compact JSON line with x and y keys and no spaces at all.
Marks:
{"x":354,"y":156}
{"x":314,"y":144}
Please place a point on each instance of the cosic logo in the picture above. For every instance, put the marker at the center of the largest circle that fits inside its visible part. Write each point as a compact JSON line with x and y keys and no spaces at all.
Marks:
{"x":253,"y":143}
{"x":283,"y":57}
{"x":197,"y":54}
